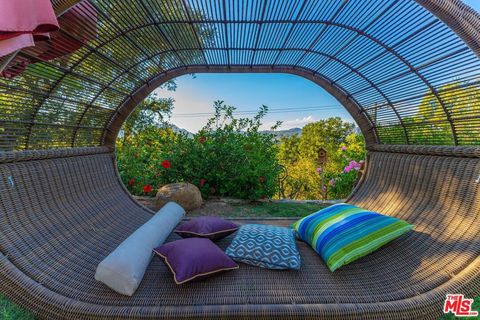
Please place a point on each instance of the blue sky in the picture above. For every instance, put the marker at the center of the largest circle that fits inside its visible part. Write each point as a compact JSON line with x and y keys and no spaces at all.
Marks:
{"x":248,"y":92}
{"x":475,"y":4}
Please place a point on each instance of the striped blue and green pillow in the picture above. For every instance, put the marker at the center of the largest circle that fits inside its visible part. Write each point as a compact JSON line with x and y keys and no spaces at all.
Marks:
{"x":343,"y":233}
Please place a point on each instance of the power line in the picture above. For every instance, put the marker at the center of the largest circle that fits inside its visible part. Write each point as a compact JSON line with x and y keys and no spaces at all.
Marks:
{"x":274,"y":109}
{"x":253,"y":112}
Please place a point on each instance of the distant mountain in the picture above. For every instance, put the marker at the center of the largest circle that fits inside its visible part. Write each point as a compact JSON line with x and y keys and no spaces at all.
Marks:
{"x":277,"y":133}
{"x":180,"y":130}
{"x":284,"y":133}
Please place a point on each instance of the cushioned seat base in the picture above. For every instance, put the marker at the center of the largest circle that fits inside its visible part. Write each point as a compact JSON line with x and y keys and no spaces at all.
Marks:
{"x":399,"y":271}
{"x":62,"y":216}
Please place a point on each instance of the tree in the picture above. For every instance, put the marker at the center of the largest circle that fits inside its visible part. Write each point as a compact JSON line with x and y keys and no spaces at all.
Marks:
{"x":151,"y":112}
{"x":70,"y":99}
{"x":429,"y":124}
{"x":298,"y":154}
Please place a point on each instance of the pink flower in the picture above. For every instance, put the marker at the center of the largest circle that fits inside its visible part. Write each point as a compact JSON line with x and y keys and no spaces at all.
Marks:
{"x":355,"y":165}
{"x":319,"y":170}
{"x":344,"y":148}
{"x":332,"y":182}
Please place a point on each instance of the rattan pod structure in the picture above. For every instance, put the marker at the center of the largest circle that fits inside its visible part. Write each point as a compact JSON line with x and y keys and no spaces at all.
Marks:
{"x":63,"y":208}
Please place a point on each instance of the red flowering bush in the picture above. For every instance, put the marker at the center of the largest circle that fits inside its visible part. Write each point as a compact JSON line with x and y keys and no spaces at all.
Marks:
{"x":229,"y":157}
{"x":142,"y":162}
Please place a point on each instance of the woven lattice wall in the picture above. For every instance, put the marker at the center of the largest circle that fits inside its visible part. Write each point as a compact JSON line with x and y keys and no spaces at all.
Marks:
{"x":411,"y":78}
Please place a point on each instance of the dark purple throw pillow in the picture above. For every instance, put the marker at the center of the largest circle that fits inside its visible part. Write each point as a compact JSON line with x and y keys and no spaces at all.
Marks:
{"x":194,"y":258}
{"x":212,"y":228}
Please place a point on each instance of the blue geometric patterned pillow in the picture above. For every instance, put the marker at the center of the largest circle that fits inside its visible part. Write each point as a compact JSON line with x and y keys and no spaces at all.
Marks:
{"x":265,"y":246}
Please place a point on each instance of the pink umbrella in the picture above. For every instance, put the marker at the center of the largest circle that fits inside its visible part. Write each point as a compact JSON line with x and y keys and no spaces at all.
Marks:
{"x":78,"y":26}
{"x":16,"y":43}
{"x":79,"y":22}
{"x":24,"y":21}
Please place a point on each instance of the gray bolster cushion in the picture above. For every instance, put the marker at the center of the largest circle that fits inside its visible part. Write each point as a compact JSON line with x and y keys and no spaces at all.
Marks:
{"x":124,"y":268}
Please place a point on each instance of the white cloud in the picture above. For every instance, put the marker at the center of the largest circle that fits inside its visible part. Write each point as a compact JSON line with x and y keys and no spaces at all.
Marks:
{"x":294,"y":123}
{"x":299,"y":123}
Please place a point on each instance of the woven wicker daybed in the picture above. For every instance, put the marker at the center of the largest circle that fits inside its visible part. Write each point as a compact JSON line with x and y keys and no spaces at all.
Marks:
{"x":63,"y":207}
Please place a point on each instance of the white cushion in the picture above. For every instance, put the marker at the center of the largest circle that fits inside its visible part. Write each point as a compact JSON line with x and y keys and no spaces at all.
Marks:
{"x":124,"y":268}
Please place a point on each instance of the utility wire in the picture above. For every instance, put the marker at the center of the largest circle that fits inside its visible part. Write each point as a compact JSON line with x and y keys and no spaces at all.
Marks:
{"x":253,"y":112}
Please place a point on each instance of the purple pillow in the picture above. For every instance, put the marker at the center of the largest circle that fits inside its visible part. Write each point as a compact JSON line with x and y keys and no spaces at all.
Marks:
{"x":212,"y":228}
{"x":194,"y":258}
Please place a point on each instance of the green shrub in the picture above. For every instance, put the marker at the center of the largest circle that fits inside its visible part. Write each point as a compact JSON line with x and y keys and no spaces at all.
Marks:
{"x":140,"y":157}
{"x":298,"y":155}
{"x":229,"y":157}
{"x":9,"y":311}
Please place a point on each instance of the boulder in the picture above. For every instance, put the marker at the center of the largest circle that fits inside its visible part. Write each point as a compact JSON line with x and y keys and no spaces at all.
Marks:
{"x":185,"y":194}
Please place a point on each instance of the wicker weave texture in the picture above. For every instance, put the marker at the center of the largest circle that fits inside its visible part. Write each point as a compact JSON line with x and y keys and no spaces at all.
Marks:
{"x":62,"y":216}
{"x":347,"y":47}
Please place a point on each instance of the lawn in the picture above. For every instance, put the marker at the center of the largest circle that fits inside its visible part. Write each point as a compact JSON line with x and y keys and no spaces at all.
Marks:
{"x":9,"y":311}
{"x":273,"y":209}
{"x":233,"y":208}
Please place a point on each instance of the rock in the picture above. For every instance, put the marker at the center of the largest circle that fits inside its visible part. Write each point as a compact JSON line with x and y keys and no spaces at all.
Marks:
{"x":185,"y":194}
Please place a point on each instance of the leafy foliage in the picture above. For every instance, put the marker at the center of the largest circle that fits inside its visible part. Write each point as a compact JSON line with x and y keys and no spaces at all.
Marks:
{"x":429,"y":124}
{"x":228,"y":157}
{"x":72,"y":108}
{"x":152,"y":111}
{"x":299,"y":154}
{"x":9,"y":311}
